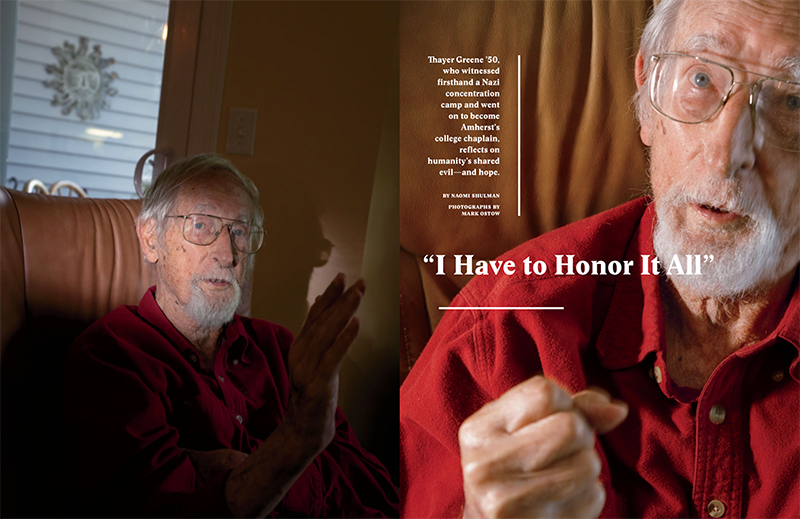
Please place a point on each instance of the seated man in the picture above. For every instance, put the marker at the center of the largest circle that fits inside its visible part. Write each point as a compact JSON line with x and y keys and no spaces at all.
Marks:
{"x":179,"y":407}
{"x":697,"y":394}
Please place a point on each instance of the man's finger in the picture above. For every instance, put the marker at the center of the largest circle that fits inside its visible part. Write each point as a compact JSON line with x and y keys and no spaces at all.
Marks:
{"x":588,"y":504}
{"x":326,"y":299}
{"x":563,"y":481}
{"x":332,"y":358}
{"x":600,"y":411}
{"x":521,"y":405}
{"x":332,"y":321}
{"x":536,"y":447}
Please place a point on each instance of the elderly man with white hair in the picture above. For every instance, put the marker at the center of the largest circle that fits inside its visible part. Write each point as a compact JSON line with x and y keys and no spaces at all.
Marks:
{"x":179,"y":407}
{"x":690,"y":380}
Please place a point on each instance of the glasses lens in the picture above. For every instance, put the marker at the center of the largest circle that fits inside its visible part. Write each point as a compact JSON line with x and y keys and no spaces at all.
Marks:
{"x":688,"y":89}
{"x":778,"y":114}
{"x":246,"y":238}
{"x":256,"y":238}
{"x":201,"y":229}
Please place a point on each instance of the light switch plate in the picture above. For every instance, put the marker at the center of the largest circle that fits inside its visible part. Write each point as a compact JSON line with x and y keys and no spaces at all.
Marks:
{"x":241,"y":131}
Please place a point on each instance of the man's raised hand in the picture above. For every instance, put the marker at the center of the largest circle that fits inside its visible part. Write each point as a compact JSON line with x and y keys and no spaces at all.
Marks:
{"x":315,"y":358}
{"x":256,"y":486}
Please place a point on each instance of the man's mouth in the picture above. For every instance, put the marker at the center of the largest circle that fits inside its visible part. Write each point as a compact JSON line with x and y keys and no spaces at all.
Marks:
{"x":218,"y":282}
{"x":715,"y":213}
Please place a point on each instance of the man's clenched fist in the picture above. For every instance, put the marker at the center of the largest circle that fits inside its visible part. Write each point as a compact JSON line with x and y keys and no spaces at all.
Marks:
{"x":530,"y":453}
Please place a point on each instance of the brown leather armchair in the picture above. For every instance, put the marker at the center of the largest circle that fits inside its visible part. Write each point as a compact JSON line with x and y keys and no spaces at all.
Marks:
{"x":64,"y":262}
{"x":580,"y":151}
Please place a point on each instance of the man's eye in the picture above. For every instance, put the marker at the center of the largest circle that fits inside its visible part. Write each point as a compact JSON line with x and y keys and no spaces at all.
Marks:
{"x":700,"y":80}
{"x":199,"y":226}
{"x":793,"y":103}
{"x":239,"y":232}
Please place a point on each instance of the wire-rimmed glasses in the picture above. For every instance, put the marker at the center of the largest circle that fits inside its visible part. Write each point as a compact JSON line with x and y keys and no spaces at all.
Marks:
{"x":204,"y":229}
{"x":689,"y":89}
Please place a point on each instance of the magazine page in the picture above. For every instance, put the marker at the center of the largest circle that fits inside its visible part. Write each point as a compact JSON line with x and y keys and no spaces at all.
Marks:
{"x":598,"y":243}
{"x":515,"y":119}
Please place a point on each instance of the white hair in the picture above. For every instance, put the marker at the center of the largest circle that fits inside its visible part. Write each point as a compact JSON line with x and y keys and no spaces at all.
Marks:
{"x":656,"y":38}
{"x":162,"y":195}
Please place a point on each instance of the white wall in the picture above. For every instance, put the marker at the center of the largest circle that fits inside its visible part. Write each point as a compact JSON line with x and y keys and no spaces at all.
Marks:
{"x":49,"y":146}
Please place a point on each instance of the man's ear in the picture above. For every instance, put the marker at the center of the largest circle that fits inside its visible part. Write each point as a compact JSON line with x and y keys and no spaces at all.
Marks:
{"x":147,"y":233}
{"x":639,"y":70}
{"x":646,"y":130}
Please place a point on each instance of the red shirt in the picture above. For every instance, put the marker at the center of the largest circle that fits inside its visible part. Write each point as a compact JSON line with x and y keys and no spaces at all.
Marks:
{"x":667,"y":459}
{"x":136,"y":394}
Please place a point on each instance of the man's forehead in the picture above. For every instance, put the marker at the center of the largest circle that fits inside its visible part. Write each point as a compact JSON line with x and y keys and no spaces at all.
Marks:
{"x":217,"y":195}
{"x":215,"y":210}
{"x":759,"y":36}
{"x":780,"y":64}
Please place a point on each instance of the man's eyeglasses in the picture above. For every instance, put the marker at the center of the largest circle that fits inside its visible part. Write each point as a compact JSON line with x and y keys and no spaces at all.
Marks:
{"x":690,"y":90}
{"x":204,"y":229}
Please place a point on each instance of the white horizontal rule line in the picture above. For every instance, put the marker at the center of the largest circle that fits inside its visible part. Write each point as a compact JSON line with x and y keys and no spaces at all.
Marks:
{"x":501,"y":308}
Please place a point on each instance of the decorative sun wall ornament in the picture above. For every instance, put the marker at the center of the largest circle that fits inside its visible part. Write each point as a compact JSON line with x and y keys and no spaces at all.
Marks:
{"x":81,"y":83}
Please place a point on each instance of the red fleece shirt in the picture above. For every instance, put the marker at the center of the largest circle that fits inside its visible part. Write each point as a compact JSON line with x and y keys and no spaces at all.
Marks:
{"x":667,"y":459}
{"x":136,"y":395}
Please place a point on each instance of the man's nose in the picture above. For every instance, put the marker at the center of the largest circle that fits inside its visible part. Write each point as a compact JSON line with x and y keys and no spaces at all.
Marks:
{"x":731,"y":141}
{"x":223,"y":251}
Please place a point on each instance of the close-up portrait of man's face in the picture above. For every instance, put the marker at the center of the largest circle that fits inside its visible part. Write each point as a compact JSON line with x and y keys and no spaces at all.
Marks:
{"x":723,"y":130}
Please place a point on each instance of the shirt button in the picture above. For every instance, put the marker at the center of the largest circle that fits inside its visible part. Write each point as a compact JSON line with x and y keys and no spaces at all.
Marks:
{"x":221,"y":378}
{"x":777,"y":375}
{"x":716,"y":508}
{"x":193,"y":357}
{"x":717,"y":416}
{"x":239,"y":418}
{"x":657,"y":373}
{"x":235,"y":362}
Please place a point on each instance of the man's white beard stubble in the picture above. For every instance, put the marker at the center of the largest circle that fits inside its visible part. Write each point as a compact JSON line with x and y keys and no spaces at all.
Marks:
{"x":747,"y":259}
{"x":213,"y":314}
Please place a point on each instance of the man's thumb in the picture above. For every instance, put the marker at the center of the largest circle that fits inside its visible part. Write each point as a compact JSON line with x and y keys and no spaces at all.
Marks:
{"x":599,"y":410}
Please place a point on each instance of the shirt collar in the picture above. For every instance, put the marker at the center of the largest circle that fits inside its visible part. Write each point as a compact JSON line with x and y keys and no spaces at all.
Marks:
{"x":152,"y":313}
{"x":634,"y":326}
